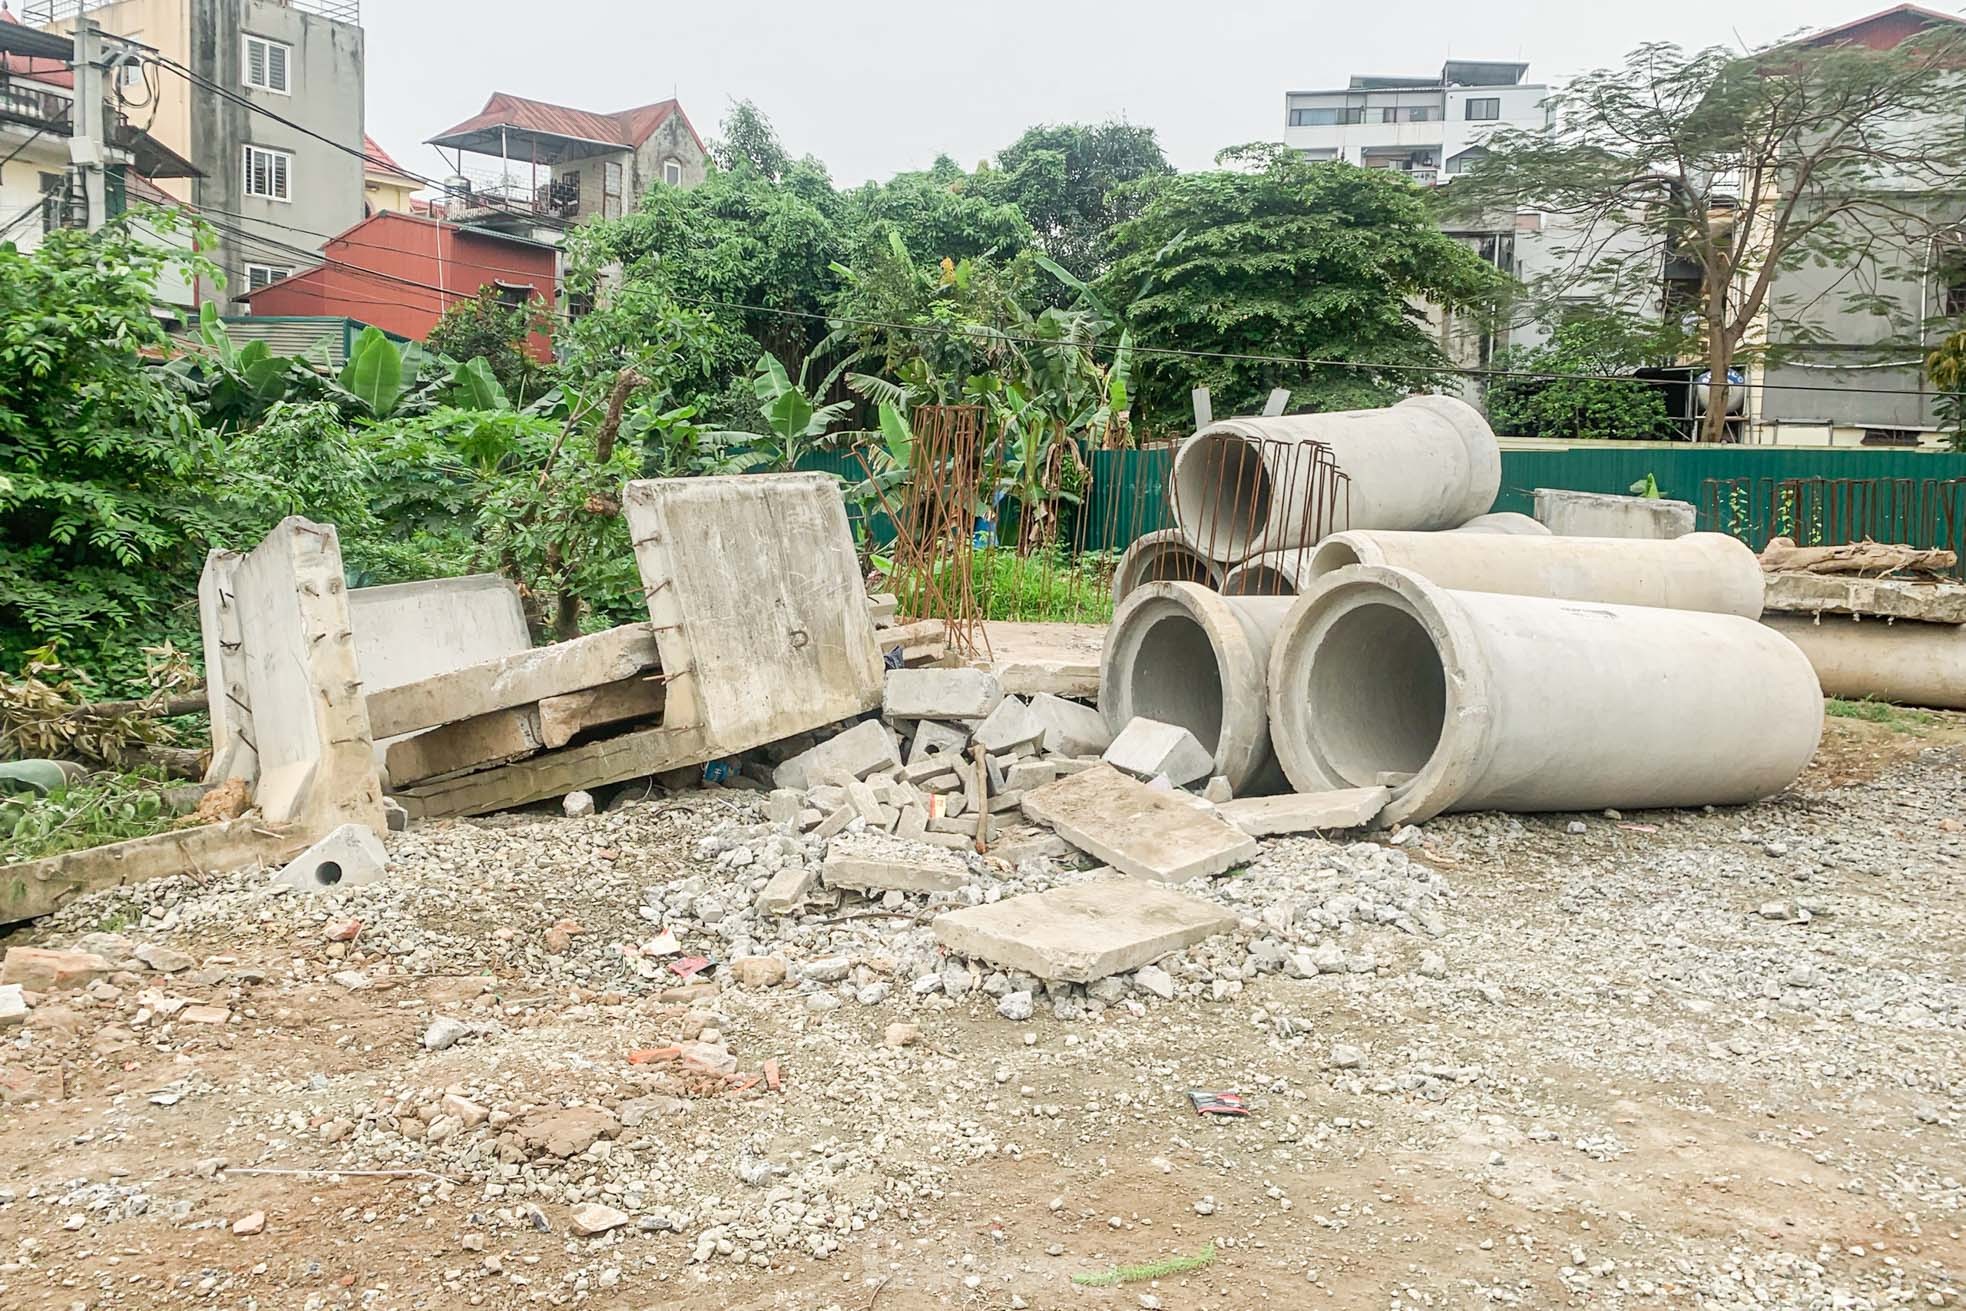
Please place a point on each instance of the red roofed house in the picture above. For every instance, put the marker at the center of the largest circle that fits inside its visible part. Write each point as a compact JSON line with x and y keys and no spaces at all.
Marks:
{"x":400,"y":272}
{"x":385,"y":185}
{"x":552,"y":165}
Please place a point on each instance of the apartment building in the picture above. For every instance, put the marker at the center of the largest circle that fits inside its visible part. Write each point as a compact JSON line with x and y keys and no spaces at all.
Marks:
{"x":264,"y":97}
{"x":1426,"y":127}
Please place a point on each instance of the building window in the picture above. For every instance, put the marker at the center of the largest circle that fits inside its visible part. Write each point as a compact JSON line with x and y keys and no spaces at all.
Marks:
{"x":1389,"y":115}
{"x":269,"y":173}
{"x":267,"y":64}
{"x":259,"y":275}
{"x":1422,"y":113}
{"x":53,"y":185}
{"x":1321,"y":117}
{"x":1483,"y":109}
{"x":672,"y":172}
{"x":611,"y":190}
{"x":1952,"y":286}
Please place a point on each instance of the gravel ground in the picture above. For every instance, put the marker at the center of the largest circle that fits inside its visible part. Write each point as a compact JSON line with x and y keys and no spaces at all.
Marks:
{"x":1678,"y":1059}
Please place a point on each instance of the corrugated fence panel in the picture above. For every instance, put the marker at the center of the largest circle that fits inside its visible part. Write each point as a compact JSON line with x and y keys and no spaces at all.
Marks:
{"x":1682,"y":471}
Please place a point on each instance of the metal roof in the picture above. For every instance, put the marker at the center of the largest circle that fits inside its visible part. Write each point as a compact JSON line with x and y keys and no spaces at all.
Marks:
{"x":535,"y":129}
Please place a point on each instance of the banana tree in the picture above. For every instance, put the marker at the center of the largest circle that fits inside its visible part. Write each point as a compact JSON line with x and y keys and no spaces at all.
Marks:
{"x":795,"y":418}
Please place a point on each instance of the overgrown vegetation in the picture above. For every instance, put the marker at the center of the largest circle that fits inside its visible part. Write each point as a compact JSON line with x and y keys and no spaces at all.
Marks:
{"x":1902,"y":719}
{"x":1566,"y":387}
{"x":107,"y":807}
{"x":1134,"y":1274}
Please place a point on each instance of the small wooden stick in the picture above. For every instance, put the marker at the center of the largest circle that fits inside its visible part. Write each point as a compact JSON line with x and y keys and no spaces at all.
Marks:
{"x":982,"y":800}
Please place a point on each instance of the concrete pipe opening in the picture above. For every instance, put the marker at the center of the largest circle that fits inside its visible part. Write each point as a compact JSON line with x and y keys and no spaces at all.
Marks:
{"x":1273,"y":574}
{"x":1161,"y":557}
{"x":1381,"y":692}
{"x":1333,"y":554}
{"x":1181,"y":654}
{"x":1222,"y":494}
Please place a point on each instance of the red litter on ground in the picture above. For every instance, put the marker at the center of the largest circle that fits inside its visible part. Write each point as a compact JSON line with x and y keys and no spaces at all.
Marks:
{"x":689,"y":966}
{"x":1218,"y":1103}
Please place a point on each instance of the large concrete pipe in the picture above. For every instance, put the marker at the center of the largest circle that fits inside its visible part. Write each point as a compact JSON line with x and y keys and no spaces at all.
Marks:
{"x":1483,"y":701}
{"x":1161,"y":557}
{"x":1181,"y":654}
{"x":1908,"y":662}
{"x":1286,"y":573}
{"x":1245,"y":486}
{"x":1701,"y":571}
{"x":1505,"y":521}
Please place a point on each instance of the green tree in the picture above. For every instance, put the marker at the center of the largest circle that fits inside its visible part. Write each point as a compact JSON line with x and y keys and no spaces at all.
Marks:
{"x":1562,"y":388}
{"x":1312,"y":262}
{"x":941,"y":214}
{"x":489,"y":329}
{"x":1075,"y":183}
{"x":1742,"y":167}
{"x":1946,"y":367}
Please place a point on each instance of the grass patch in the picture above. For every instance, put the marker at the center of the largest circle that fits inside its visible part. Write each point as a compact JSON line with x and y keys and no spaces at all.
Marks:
{"x":1133,"y":1274}
{"x":1900,"y":718}
{"x":103,"y":808}
{"x":1046,"y":586}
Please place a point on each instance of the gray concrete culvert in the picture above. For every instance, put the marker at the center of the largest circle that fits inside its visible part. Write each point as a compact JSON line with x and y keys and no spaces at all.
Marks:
{"x":1700,"y":571}
{"x":1179,"y":653}
{"x":1485,"y":701}
{"x":1161,"y":557}
{"x":1241,"y":487}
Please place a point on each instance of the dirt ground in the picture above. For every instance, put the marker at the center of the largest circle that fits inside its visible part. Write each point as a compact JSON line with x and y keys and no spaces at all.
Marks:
{"x":1635,"y":1083}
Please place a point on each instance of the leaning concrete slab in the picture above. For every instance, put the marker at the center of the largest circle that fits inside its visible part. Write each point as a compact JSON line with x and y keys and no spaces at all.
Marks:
{"x":562,"y":718}
{"x":1598,"y":514}
{"x":285,"y":693}
{"x":514,"y":680}
{"x":1136,"y":829}
{"x":473,"y":743}
{"x":1082,"y":933}
{"x":556,"y":773}
{"x":755,"y":593}
{"x":407,"y":632}
{"x":1305,"y":812}
{"x":1884,"y":598}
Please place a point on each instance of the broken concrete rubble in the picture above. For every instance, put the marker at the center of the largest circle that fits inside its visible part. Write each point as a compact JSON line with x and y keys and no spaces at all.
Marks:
{"x":1011,"y":727}
{"x":864,"y":749}
{"x":1305,"y":812}
{"x":940,"y":694}
{"x":1147,"y":748}
{"x":1081,"y":933}
{"x":875,"y":863}
{"x":348,"y":857}
{"x":1071,"y":728}
{"x":1135,"y":829}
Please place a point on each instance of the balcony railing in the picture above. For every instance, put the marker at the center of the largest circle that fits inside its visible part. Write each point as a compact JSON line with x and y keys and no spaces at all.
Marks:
{"x":28,"y":102}
{"x":40,"y":13}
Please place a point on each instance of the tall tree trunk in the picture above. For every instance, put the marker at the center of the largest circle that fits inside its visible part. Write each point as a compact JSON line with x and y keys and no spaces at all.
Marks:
{"x":1713,"y":424}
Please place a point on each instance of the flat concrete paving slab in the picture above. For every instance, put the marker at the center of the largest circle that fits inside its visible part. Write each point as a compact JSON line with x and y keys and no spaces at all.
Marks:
{"x":1305,"y":812}
{"x":1082,"y":933}
{"x":1062,"y":659}
{"x":1136,"y":829}
{"x":1889,"y":598}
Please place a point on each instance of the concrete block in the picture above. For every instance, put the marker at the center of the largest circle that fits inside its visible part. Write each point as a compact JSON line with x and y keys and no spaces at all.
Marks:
{"x":1136,"y":830}
{"x":940,"y":694}
{"x":1010,"y":727}
{"x":49,"y":969}
{"x":563,"y":718}
{"x":348,"y":857}
{"x":1005,"y":801}
{"x":13,"y":1006}
{"x":912,"y":823}
{"x":1030,"y":844}
{"x":1218,"y":791}
{"x":1305,"y":812}
{"x":865,"y":748}
{"x":482,"y":740}
{"x":784,"y":804}
{"x":1149,"y":748}
{"x":1596,"y":514}
{"x":786,"y":892}
{"x":835,"y":822}
{"x":407,"y":632}
{"x":1071,"y":728}
{"x":519,"y":679}
{"x":755,"y":592}
{"x":1082,"y":933}
{"x":885,"y":868}
{"x":1023,"y":775}
{"x":283,"y":682}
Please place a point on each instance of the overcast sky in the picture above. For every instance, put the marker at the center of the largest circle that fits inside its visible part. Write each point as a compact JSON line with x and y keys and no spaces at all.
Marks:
{"x":876,"y":86}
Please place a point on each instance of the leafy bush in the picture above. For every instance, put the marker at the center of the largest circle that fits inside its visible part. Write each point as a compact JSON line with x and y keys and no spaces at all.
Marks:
{"x":1545,"y":398}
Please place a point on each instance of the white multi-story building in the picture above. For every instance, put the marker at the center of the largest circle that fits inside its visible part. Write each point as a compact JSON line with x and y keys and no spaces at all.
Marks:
{"x":1427,"y":127}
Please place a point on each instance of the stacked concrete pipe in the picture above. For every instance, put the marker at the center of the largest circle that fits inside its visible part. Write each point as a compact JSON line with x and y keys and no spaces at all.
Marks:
{"x":1504,"y":521}
{"x":1161,"y":557}
{"x":1286,"y":573}
{"x":1908,"y":663}
{"x":1427,"y":463}
{"x":1700,"y":571}
{"x":1485,"y":701}
{"x":1181,"y":654}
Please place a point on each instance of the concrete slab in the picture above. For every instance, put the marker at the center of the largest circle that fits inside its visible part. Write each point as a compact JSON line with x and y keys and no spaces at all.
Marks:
{"x":515,"y":680}
{"x":1887,"y":598}
{"x":1305,"y":812}
{"x":1598,"y":514}
{"x":1010,"y":727}
{"x":407,"y":632}
{"x":1071,"y":728}
{"x":868,"y":863}
{"x":562,"y":718}
{"x":786,"y":891}
{"x":474,"y":743}
{"x":40,"y":887}
{"x":1029,"y":659}
{"x":555,"y":773}
{"x":346,"y":858}
{"x":754,"y":589}
{"x":940,"y":694}
{"x":1135,"y":829}
{"x":1148,"y":748}
{"x":856,"y":753}
{"x":1083,"y":933}
{"x":284,"y":687}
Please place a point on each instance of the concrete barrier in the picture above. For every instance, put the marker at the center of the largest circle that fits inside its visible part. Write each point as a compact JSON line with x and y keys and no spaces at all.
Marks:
{"x":1180,"y":654}
{"x":1597,"y":514}
{"x":1484,"y":701}
{"x":1429,"y":462}
{"x":1700,"y":571}
{"x":1907,"y":663}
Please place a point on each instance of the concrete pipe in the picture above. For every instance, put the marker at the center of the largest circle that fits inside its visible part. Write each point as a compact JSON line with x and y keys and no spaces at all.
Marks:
{"x":1161,"y":557}
{"x":1701,"y":571}
{"x":1505,"y":521}
{"x":1181,"y":654}
{"x":1483,"y":701}
{"x":1246,"y":486}
{"x":1908,"y":663}
{"x":1273,"y":573}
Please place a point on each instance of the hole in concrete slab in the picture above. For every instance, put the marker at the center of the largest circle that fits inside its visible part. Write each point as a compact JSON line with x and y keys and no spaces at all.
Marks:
{"x":1222,"y":494}
{"x":327,"y":873}
{"x":1259,"y":580}
{"x":1378,"y":694}
{"x":1175,"y":679}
